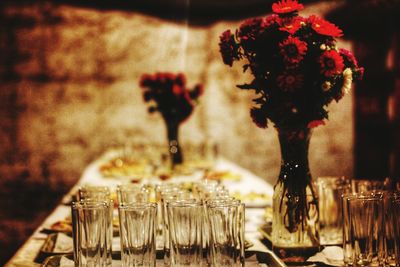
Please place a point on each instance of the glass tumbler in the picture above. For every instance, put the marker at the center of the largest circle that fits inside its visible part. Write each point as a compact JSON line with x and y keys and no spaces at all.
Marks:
{"x":395,"y":201}
{"x":90,"y":222}
{"x":226,"y":220}
{"x":185,"y":219}
{"x":365,"y":214}
{"x":138,"y":235}
{"x":130,"y":193}
{"x":330,"y":190}
{"x":94,"y":192}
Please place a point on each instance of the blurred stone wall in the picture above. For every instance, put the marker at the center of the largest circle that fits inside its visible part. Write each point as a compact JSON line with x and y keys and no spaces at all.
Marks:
{"x":70,"y":88}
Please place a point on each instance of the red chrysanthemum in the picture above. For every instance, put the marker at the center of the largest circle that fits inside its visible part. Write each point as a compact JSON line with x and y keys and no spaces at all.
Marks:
{"x":286,"y":6}
{"x":250,"y":31}
{"x":316,"y":123}
{"x":290,"y":81}
{"x":258,"y":117}
{"x":290,"y":24}
{"x":293,"y":50}
{"x":331,"y":63}
{"x":348,"y":58}
{"x":270,"y":20}
{"x":323,"y":27}
{"x":228,"y":47}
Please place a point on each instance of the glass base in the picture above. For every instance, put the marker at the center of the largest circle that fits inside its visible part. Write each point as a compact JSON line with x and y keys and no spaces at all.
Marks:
{"x":295,"y":254}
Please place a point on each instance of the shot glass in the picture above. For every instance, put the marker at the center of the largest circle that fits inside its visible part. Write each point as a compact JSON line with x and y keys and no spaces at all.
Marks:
{"x":395,"y":205}
{"x":365,"y":186}
{"x":103,"y":194}
{"x":365,"y":218}
{"x":131,"y":193}
{"x":138,"y":236}
{"x":90,"y":228}
{"x":95,"y":193}
{"x":226,"y":218}
{"x":185,"y":219}
{"x":330,"y":190}
{"x":166,"y":198}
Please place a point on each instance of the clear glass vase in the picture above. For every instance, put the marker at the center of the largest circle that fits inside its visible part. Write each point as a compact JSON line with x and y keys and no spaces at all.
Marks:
{"x":295,"y":224}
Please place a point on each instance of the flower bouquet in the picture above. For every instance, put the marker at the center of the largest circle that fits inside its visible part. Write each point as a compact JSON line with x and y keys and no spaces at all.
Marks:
{"x":167,"y":93}
{"x":297,"y":71}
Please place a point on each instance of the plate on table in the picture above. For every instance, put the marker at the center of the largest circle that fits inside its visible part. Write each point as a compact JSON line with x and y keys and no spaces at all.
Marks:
{"x":55,"y":244}
{"x":67,"y":260}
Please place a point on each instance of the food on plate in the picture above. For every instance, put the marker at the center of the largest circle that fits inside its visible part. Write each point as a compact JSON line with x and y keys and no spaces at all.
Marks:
{"x":222,"y":175}
{"x":253,"y":197}
{"x":125,"y":167}
{"x":62,"y":226}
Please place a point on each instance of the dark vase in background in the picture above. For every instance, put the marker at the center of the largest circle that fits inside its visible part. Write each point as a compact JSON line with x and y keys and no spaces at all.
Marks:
{"x":174,"y":148}
{"x":295,"y":226}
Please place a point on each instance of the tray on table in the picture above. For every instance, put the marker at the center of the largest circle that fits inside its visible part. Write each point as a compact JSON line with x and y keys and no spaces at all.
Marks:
{"x":258,"y":259}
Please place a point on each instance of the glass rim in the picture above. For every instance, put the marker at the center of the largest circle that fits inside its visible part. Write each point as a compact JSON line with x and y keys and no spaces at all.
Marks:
{"x":95,"y":188}
{"x":137,"y":205}
{"x":225,"y":204}
{"x":90,"y":204}
{"x":221,"y":200}
{"x":364,"y":198}
{"x":182,"y":203}
{"x":378,"y":194}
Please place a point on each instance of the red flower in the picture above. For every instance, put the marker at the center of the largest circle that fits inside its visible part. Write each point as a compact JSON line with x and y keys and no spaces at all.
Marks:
{"x":290,"y":81}
{"x":258,"y":117}
{"x":290,"y":24}
{"x":270,"y":20}
{"x":250,"y":31}
{"x":228,"y":47}
{"x":293,"y":50}
{"x":180,"y":79}
{"x":286,"y":6}
{"x":348,"y":57}
{"x":323,"y":27}
{"x":331,"y":63}
{"x":315,"y":123}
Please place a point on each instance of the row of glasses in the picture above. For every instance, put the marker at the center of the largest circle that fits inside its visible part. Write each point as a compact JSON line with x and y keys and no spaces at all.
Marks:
{"x":202,"y":226}
{"x":370,"y":225}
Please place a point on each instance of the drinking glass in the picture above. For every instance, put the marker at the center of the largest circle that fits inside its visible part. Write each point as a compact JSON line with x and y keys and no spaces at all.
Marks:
{"x":102,"y":194}
{"x":330,"y":190}
{"x":89,"y":220}
{"x":167,"y":197}
{"x":365,"y":186}
{"x":395,"y":205}
{"x":185,"y":219}
{"x":365,"y":215}
{"x":138,"y":236}
{"x":95,"y":193}
{"x":226,"y":218}
{"x":130,"y":193}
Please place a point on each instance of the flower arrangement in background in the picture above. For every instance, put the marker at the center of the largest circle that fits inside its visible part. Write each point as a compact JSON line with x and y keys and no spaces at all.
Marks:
{"x":297,"y":67}
{"x":168,"y":94}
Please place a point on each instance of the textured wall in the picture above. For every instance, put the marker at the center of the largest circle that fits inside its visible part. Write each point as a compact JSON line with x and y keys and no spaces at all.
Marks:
{"x":70,"y":89}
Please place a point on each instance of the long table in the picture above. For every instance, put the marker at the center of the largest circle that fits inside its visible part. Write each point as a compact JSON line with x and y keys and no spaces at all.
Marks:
{"x":247,"y":183}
